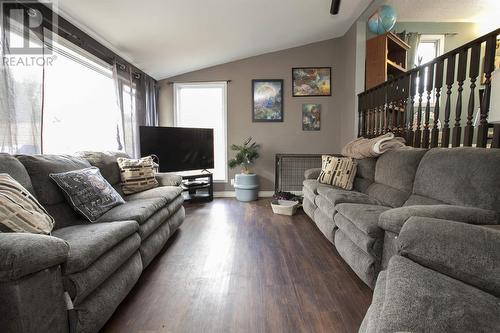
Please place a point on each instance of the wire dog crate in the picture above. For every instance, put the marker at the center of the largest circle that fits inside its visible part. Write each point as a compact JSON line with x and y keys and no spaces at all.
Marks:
{"x":289,"y":170}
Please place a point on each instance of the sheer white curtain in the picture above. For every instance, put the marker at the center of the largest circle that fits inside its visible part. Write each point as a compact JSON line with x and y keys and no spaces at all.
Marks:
{"x":21,"y":89}
{"x":413,"y":39}
{"x":125,"y":95}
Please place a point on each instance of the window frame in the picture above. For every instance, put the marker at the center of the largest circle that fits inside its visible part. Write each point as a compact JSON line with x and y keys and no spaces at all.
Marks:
{"x":175,"y":109}
{"x":437,"y":39}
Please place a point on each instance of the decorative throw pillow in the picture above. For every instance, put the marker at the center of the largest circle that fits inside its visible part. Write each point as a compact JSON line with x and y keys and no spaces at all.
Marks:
{"x":88,"y":192}
{"x":137,"y":174}
{"x":20,"y":211}
{"x":338,"y":171}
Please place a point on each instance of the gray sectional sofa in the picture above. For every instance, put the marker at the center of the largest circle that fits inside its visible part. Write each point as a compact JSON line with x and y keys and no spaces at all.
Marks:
{"x":460,"y":184}
{"x":445,"y":278}
{"x":74,"y":279}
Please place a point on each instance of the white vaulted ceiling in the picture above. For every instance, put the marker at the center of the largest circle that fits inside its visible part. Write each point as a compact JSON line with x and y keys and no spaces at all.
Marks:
{"x":446,"y":10}
{"x":169,"y":37}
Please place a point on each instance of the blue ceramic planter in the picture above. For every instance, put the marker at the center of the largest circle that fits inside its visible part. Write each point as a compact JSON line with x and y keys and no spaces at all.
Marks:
{"x":246,"y":186}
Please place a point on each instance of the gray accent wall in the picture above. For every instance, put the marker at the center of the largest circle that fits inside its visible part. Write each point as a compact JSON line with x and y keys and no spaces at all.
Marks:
{"x":338,"y":113}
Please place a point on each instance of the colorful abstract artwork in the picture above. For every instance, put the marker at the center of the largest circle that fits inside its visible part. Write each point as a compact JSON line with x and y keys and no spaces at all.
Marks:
{"x":311,"y":117}
{"x":267,"y":100}
{"x":309,"y":81}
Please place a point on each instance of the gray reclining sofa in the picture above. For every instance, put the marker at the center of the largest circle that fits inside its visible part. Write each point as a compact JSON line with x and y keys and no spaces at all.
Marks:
{"x":74,"y":279}
{"x":445,"y":278}
{"x":460,"y":184}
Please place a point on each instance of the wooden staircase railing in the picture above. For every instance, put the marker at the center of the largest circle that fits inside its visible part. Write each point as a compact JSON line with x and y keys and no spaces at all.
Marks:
{"x":411,"y":105}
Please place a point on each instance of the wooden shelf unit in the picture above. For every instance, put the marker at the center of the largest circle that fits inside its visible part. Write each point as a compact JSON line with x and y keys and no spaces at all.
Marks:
{"x":385,"y":59}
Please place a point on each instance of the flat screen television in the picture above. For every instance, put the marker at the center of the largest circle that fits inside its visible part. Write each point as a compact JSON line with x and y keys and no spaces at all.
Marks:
{"x":179,"y":148}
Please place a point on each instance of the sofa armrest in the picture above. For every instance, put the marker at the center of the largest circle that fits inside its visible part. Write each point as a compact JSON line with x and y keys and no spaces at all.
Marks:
{"x":22,"y":254}
{"x":168,"y":179}
{"x":465,"y":252}
{"x":312,"y":173}
{"x":394,"y":219}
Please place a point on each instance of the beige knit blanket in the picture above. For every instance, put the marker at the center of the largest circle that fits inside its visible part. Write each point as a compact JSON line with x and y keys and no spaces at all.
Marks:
{"x":362,"y":148}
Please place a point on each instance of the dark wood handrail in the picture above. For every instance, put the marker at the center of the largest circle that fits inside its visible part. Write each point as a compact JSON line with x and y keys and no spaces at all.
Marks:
{"x":446,"y":55}
{"x":409,"y":105}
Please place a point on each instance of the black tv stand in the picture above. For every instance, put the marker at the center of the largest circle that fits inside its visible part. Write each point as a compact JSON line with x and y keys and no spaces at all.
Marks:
{"x":198,"y":187}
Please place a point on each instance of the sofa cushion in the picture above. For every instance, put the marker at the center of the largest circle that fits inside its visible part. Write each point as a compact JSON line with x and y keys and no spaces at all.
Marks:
{"x":160,"y":217}
{"x":65,"y":215}
{"x":366,"y":168}
{"x":394,"y":219}
{"x":137,"y":210}
{"x":153,"y":222}
{"x":369,"y":244}
{"x":167,"y":192}
{"x":363,"y":264}
{"x":394,"y":176}
{"x":105,"y":161}
{"x":91,"y":314}
{"x":371,"y":320}
{"x":364,"y":217}
{"x":359,"y":223}
{"x":365,"y":174}
{"x":313,"y":185}
{"x":324,"y":223}
{"x":387,"y":195}
{"x":325,"y":206}
{"x":80,"y":284}
{"x":337,"y":196}
{"x":461,"y":176}
{"x":466,"y":252}
{"x":88,"y":192}
{"x":416,"y":199}
{"x":418,"y":299}
{"x":89,"y":242}
{"x":11,"y":165}
{"x":40,"y":166}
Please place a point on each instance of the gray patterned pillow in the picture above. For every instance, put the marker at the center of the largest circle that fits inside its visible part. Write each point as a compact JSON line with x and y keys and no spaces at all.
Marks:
{"x":88,"y":192}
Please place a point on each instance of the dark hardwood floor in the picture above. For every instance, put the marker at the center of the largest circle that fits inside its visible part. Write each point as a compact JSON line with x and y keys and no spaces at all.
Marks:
{"x":237,"y":267}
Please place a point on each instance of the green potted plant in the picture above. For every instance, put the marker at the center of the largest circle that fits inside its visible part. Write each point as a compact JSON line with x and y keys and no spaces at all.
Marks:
{"x":246,"y":184}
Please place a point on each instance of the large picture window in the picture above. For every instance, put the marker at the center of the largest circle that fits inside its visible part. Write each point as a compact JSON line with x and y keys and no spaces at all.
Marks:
{"x":203,"y":105}
{"x":80,"y":108}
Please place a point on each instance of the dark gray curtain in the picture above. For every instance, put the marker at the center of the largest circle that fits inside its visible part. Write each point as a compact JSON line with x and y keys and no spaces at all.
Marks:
{"x":151,"y":93}
{"x":137,"y":100}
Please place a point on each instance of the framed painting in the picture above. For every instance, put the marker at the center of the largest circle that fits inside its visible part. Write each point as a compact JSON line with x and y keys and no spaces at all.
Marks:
{"x":311,"y":81}
{"x":267,"y":100}
{"x":311,"y":117}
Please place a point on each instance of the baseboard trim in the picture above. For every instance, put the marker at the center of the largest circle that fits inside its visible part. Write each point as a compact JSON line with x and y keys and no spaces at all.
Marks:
{"x":231,"y":194}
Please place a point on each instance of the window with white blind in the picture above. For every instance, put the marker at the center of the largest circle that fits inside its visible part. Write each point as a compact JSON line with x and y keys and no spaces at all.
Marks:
{"x":203,"y":105}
